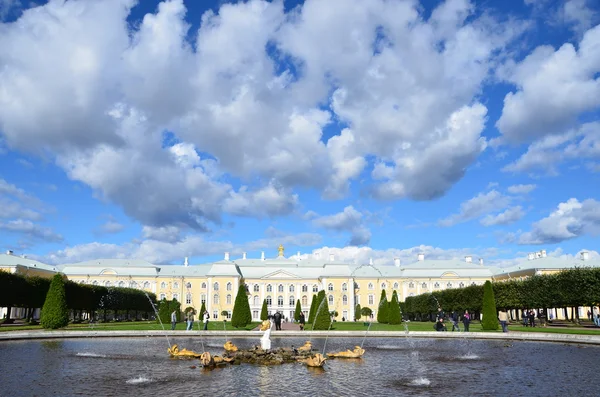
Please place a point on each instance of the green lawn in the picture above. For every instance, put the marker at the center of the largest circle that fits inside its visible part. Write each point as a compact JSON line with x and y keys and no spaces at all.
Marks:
{"x":134,"y":326}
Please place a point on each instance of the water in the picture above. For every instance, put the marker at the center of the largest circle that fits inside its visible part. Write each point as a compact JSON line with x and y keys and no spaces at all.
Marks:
{"x":158,"y":317}
{"x":117,"y":366}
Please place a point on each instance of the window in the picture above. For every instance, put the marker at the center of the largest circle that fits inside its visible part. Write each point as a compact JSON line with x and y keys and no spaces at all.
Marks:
{"x":473,"y":283}
{"x":330,"y":287}
{"x":370,"y":286}
{"x":107,"y":284}
{"x":175,"y":285}
{"x":291,"y":289}
{"x":280,"y":288}
{"x":292,"y":300}
{"x":383,"y":286}
{"x":176,"y":297}
{"x":146,"y":285}
{"x":304,"y":300}
{"x":188,"y":299}
{"x":256,"y":288}
{"x":216,"y":299}
{"x":345,"y":299}
{"x":229,"y":299}
{"x":395,"y":285}
{"x":256,"y":300}
{"x":344,"y":287}
{"x":424,"y":285}
{"x":305,"y":288}
{"x":371,"y":299}
{"x":229,"y":315}
{"x":436,"y":285}
{"x":203,"y":298}
{"x":228,"y":287}
{"x":216,"y":286}
{"x":411,"y":285}
{"x":163,"y":285}
{"x":255,"y":314}
{"x":449,"y":285}
{"x":461,"y":285}
{"x":133,"y":284}
{"x":269,"y":300}
{"x":315,"y":288}
{"x":121,"y":284}
{"x":215,"y":314}
{"x":280,"y":301}
{"x":269,"y":288}
{"x":330,"y":301}
{"x":188,"y":285}
{"x":204,"y":285}
{"x":345,"y":315}
{"x":411,"y":294}
{"x":162,"y":296}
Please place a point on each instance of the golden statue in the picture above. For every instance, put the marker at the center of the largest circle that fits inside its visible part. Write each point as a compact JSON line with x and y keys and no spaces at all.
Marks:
{"x":315,"y":361}
{"x":183,"y":353}
{"x":306,"y":347}
{"x":208,"y":361}
{"x":265,"y":325}
{"x":356,"y":353}
{"x":281,"y":249}
{"x":230,"y":347}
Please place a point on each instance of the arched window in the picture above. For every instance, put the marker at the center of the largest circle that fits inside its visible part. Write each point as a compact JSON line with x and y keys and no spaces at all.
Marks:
{"x":424,"y":285}
{"x":133,"y":284}
{"x":305,"y":288}
{"x":121,"y":284}
{"x":162,"y":296}
{"x":269,"y":300}
{"x":216,"y":299}
{"x":411,"y":294}
{"x":473,"y":283}
{"x":146,"y":285}
{"x":107,"y":284}
{"x":330,"y":287}
{"x":436,"y":285}
{"x":176,"y":297}
{"x":256,"y":288}
{"x":304,"y":300}
{"x":395,"y":285}
{"x":256,"y":300}
{"x":175,"y":285}
{"x":229,"y":299}
{"x":279,"y":301}
{"x":228,"y":286}
{"x":269,"y":288}
{"x":370,"y":285}
{"x":203,"y":285}
{"x":188,"y":299}
{"x":315,"y":288}
{"x":461,"y":285}
{"x":292,"y":300}
{"x":188,"y":285}
{"x":411,"y":285}
{"x":203,"y":298}
{"x":330,"y":298}
{"x":291,"y":289}
{"x":449,"y":285}
{"x":163,"y":285}
{"x":280,"y":288}
{"x":94,"y":282}
{"x":383,"y":286}
{"x":344,"y":287}
{"x":216,"y":286}
{"x":345,"y":299}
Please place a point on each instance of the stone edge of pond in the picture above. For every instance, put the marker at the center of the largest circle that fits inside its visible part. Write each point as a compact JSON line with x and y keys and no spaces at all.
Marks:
{"x":523,"y":336}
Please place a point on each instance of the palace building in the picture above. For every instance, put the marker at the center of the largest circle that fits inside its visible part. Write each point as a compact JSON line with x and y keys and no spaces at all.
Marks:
{"x":283,"y":280}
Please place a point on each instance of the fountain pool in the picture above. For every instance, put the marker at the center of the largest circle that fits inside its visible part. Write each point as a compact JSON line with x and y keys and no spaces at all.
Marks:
{"x":142,"y":367}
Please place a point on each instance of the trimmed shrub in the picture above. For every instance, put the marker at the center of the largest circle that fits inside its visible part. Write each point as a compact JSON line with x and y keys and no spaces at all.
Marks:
{"x":322,"y":315}
{"x":55,"y":313}
{"x":357,"y":312}
{"x":165,"y":308}
{"x":489,"y":322}
{"x":367,"y":312}
{"x":264,"y":313}
{"x":298,"y":311}
{"x":383,"y":309}
{"x":313,"y":308}
{"x":202,"y":310}
{"x":241,"y":315}
{"x":394,"y":315}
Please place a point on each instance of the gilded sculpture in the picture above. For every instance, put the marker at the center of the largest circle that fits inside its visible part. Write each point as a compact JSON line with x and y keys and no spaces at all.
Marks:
{"x":230,"y":347}
{"x":174,"y":351}
{"x":314,"y":361}
{"x":306,"y":347}
{"x":356,"y":353}
{"x":280,"y":249}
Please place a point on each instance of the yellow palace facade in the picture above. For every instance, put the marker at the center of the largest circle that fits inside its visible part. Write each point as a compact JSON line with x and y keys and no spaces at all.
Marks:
{"x":281,"y":281}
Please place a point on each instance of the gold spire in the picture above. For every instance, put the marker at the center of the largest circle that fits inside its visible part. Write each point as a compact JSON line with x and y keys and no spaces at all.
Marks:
{"x":280,"y":249}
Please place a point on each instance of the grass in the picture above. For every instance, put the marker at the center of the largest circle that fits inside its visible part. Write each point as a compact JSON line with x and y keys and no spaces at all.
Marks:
{"x":134,"y":326}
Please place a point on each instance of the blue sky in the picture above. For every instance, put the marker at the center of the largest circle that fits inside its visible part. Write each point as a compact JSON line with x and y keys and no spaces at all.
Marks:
{"x":162,"y":130}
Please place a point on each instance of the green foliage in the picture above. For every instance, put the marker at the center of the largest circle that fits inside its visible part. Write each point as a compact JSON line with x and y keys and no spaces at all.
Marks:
{"x":298,"y":310}
{"x":489,"y":322}
{"x":55,"y":313}
{"x":202,"y":310}
{"x":357,"y":312}
{"x":264,"y":313}
{"x":322,"y":315}
{"x":394,"y":315}
{"x":383,"y":310}
{"x":366,"y":312}
{"x":241,"y":315}
{"x":313,"y":308}
{"x":165,"y":308}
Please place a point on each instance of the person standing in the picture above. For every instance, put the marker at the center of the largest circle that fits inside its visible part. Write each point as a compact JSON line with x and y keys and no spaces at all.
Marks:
{"x":466,"y":320}
{"x":206,"y":318}
{"x":542,"y":317}
{"x":455,"y":321}
{"x":302,"y":321}
{"x":173,"y":320}
{"x":277,"y":318}
{"x":503,"y":317}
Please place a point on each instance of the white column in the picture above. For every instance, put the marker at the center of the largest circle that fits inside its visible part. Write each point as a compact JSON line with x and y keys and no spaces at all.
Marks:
{"x":351,"y":299}
{"x":209,"y":296}
{"x":324,"y":285}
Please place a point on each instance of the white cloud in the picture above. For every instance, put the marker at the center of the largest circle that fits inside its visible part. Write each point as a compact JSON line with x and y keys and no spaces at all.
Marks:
{"x":476,"y":207}
{"x":570,"y":220}
{"x":510,"y":215}
{"x":269,"y":201}
{"x":31,"y":230}
{"x":521,"y":189}
{"x":170,"y":234}
{"x":348,"y":220}
{"x":579,"y":15}
{"x":111,"y":226}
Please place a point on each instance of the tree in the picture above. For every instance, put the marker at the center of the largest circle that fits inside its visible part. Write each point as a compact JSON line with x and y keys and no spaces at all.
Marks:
{"x":489,"y":322}
{"x":264,"y":313}
{"x":242,"y":315}
{"x":202,"y":310}
{"x":298,"y":310}
{"x":322,"y":316}
{"x":367,"y":312}
{"x":55,"y":313}
{"x":357,"y":312}
{"x":313,"y":309}
{"x":394,"y":315}
{"x":383,"y":309}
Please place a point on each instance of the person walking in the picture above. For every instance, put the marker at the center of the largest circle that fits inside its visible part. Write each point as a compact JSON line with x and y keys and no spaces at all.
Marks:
{"x":455,"y":321}
{"x":466,"y":320}
{"x":190,"y":320}
{"x":173,"y":320}
{"x":503,"y":317}
{"x":206,"y":317}
{"x":302,"y":321}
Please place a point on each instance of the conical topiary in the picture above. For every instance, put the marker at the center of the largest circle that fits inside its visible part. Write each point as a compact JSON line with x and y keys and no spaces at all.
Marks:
{"x":489,"y":322}
{"x":264,"y":313}
{"x":357,"y":313}
{"x":322,"y":315}
{"x":394,"y":315}
{"x":298,"y":310}
{"x":55,"y":313}
{"x":383,"y":309}
{"x":202,"y":310}
{"x":241,"y":315}
{"x":313,"y":309}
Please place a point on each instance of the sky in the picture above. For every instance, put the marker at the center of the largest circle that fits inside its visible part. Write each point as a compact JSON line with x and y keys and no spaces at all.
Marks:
{"x":370,"y":130}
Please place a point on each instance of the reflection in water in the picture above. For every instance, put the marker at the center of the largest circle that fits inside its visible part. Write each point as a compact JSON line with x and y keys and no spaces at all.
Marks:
{"x":141,"y":367}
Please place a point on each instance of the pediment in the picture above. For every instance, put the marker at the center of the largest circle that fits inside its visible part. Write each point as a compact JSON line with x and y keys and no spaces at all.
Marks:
{"x":449,"y":275}
{"x":280,"y":274}
{"x":108,"y":272}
